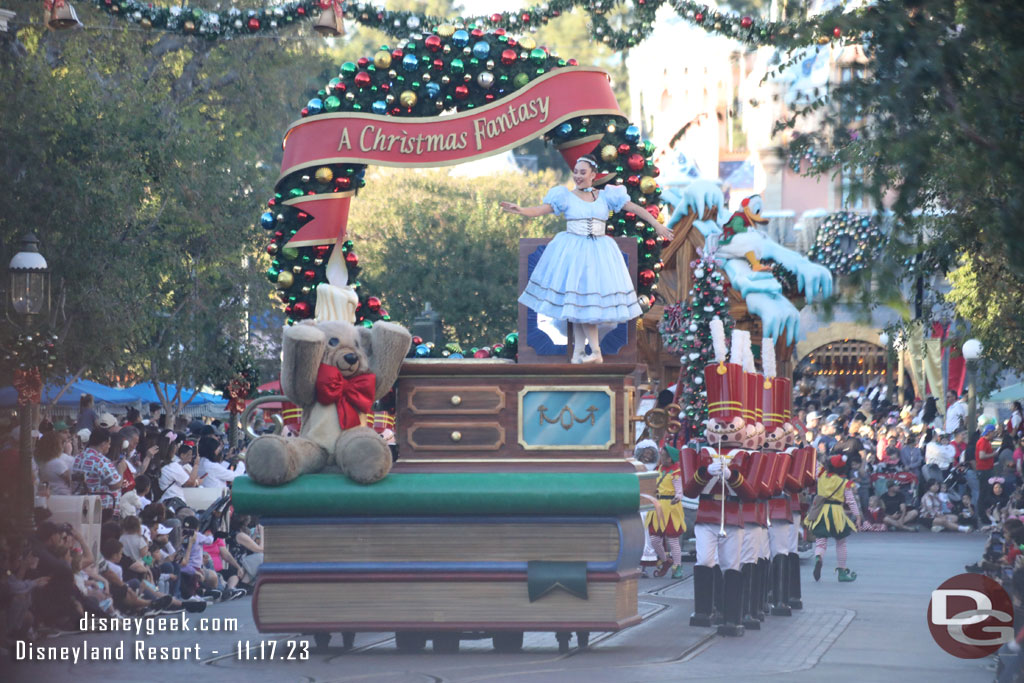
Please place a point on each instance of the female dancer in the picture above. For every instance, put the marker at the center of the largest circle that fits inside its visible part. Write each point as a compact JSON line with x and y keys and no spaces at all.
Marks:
{"x":581,"y":277}
{"x":827,"y":518}
{"x":670,"y":525}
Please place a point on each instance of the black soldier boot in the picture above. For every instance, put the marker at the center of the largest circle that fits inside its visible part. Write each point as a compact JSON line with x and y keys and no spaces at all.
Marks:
{"x":703,"y":595}
{"x":793,"y":565}
{"x":733,"y":580}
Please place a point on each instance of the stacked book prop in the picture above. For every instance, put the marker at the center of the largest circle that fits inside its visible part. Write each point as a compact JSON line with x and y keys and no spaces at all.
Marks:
{"x":435,"y":555}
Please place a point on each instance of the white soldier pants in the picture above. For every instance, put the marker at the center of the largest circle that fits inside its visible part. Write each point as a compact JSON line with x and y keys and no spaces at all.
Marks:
{"x":713,"y":549}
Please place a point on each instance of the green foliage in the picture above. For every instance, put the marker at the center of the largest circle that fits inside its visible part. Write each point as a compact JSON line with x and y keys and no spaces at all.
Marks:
{"x":134,"y":158}
{"x":428,"y":236}
{"x":934,"y":120}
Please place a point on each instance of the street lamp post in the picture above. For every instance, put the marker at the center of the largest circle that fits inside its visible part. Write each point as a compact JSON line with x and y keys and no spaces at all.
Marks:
{"x":883,"y":339}
{"x":29,"y":301}
{"x":972,"y":349}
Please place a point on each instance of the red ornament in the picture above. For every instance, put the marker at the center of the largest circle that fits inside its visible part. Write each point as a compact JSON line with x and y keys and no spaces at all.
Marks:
{"x":645,"y":278}
{"x":489,"y":97}
{"x":511,"y":42}
{"x":433,"y":43}
{"x":272,"y":201}
{"x":253,"y":24}
{"x":325,"y":4}
{"x":508,"y":57}
{"x":363,"y":62}
{"x":630,"y":216}
{"x":301,"y":309}
{"x":573,"y":62}
{"x":437,"y":64}
{"x":300,"y":10}
{"x":397,"y":54}
{"x":653,"y":210}
{"x":477,"y":33}
{"x":650,"y":243}
{"x":340,"y":87}
{"x":362,"y":79}
{"x":416,"y":341}
{"x":373,"y":303}
{"x":310,"y":275}
{"x":623,"y":149}
{"x":632,"y":181}
{"x":495,"y":18}
{"x":482,"y":353}
{"x":321,"y":250}
{"x":343,"y":183}
{"x":351,"y":258}
{"x":699,"y":17}
{"x":655,"y":171}
{"x":746,"y":22}
{"x":525,"y":17}
{"x":636,"y":161}
{"x":305,"y":111}
{"x":837,"y":32}
{"x":461,"y":92}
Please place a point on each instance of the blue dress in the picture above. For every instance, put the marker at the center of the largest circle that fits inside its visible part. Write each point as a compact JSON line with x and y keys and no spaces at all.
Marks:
{"x":582,"y":277}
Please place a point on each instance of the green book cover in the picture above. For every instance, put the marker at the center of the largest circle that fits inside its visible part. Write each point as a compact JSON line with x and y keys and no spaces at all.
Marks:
{"x":455,"y":494}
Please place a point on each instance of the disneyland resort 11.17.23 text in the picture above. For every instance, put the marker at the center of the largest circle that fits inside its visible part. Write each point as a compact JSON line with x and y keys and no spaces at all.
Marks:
{"x":137,"y":649}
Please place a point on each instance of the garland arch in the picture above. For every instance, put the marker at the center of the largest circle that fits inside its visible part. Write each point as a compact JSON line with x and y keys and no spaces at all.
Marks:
{"x":455,"y":69}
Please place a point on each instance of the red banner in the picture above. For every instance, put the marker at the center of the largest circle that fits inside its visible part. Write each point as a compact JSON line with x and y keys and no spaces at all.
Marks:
{"x":447,"y":140}
{"x":358,"y":138}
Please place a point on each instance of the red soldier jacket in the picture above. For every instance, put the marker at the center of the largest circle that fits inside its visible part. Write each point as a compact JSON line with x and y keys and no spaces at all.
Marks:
{"x":698,"y":483}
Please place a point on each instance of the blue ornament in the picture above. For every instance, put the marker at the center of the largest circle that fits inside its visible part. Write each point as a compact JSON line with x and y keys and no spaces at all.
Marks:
{"x":481,"y":50}
{"x":423,"y":351}
{"x":564,"y":130}
{"x":315,"y":106}
{"x":456,"y":356}
{"x":410,"y":62}
{"x":460,"y":38}
{"x":632,"y":134}
{"x":380,"y":107}
{"x":433,"y":90}
{"x":267,"y":221}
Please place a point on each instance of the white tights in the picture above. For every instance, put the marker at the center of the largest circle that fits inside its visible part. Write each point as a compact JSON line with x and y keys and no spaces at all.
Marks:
{"x":581,"y":332}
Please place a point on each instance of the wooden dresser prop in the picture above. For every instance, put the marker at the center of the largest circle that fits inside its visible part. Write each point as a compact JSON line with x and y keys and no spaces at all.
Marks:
{"x":492,"y":415}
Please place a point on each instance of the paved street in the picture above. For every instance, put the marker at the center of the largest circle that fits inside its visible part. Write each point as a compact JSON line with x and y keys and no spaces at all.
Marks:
{"x":870,"y":630}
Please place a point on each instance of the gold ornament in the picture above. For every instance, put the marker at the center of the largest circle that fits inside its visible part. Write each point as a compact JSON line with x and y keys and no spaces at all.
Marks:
{"x":285,"y":280}
{"x":306,"y":290}
{"x":382,"y":60}
{"x":408,"y":99}
{"x":445,"y":30}
{"x":648,"y":185}
{"x":324,"y":174}
{"x":609,"y":153}
{"x":146,"y":23}
{"x":190,"y":27}
{"x":528,"y":43}
{"x":295,"y":269}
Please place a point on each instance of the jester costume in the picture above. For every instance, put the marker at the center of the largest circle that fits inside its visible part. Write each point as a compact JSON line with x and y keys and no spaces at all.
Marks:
{"x":670,"y":524}
{"x":827,"y":517}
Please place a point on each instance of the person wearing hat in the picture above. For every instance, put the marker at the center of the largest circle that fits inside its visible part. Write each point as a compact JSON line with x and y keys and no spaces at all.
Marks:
{"x":666,"y":523}
{"x":827,"y":517}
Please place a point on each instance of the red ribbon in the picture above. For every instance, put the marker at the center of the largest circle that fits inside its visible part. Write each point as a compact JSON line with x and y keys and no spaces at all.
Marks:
{"x":29,"y":385}
{"x":352,"y":395}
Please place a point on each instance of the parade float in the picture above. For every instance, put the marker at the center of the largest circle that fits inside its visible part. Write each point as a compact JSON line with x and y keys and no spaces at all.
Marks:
{"x":513,"y":504}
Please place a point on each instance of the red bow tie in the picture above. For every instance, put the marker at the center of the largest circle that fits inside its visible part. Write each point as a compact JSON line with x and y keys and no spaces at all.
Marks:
{"x":352,"y":395}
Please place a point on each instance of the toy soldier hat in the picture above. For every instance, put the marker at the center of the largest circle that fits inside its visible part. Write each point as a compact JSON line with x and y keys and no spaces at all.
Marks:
{"x":725,"y":383}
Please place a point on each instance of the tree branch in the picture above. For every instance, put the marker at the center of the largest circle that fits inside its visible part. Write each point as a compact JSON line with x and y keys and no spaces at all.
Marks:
{"x":949,"y":97}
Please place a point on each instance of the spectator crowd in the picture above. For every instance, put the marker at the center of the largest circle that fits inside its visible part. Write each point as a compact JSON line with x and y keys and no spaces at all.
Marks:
{"x":155,"y":553}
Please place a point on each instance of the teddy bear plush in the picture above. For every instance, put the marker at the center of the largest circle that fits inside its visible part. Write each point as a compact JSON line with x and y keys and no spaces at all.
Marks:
{"x":333,"y":371}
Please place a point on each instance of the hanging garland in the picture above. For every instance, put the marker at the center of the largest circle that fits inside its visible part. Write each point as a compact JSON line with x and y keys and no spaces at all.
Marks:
{"x":847,"y":242}
{"x":450,"y":68}
{"x":26,"y":351}
{"x":637,"y":23}
{"x":454,"y":351}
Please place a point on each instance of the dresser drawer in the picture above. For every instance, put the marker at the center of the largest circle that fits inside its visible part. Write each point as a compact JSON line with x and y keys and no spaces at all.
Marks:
{"x":455,"y":400}
{"x":456,"y":436}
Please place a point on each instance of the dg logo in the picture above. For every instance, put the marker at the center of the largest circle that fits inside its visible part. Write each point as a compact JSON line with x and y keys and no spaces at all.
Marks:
{"x":970,"y":616}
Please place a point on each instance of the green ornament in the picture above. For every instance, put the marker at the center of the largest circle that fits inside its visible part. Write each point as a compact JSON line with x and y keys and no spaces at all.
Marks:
{"x":290,"y":253}
{"x":457,"y":66}
{"x":520,"y":79}
{"x":348,"y":69}
{"x":367,"y":323}
{"x":537,"y":55}
{"x":296,"y":192}
{"x":332,"y":103}
{"x":272,"y":274}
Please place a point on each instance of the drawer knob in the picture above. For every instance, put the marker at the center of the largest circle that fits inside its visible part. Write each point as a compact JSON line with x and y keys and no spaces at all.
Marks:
{"x":456,"y":400}
{"x":456,"y":436}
